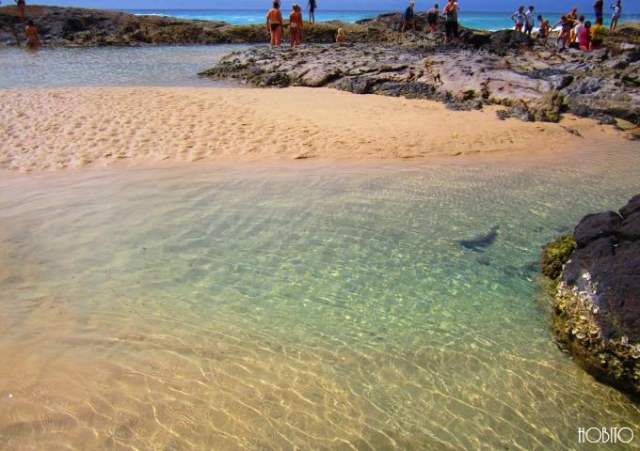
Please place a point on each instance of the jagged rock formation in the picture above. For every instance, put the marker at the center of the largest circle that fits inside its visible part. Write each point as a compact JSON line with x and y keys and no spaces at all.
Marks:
{"x":537,"y":83}
{"x":597,"y":304}
{"x":89,"y":27}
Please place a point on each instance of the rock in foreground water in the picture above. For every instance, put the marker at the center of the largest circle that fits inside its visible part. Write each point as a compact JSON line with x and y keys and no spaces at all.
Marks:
{"x":597,"y":305}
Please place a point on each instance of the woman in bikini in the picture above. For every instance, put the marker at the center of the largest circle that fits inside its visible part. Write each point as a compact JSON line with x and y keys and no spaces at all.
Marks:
{"x":274,"y":24}
{"x":566,"y":25}
{"x":295,"y":25}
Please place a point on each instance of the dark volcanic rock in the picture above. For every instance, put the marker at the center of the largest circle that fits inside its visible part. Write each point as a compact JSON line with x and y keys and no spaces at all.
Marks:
{"x":90,"y":27}
{"x":535,"y":85}
{"x":597,"y":307}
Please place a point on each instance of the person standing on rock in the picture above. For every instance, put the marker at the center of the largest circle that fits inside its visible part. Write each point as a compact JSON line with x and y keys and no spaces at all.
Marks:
{"x":566,"y":25}
{"x":432,"y":18}
{"x":274,"y":24}
{"x":22,"y":9}
{"x":598,"y":33}
{"x":295,"y":25}
{"x":543,"y":30}
{"x":528,"y":20}
{"x":617,"y":11}
{"x":450,"y":12}
{"x":598,"y":8}
{"x":519,"y":18}
{"x":584,"y":39}
{"x":409,"y":18}
{"x":311,"y":7}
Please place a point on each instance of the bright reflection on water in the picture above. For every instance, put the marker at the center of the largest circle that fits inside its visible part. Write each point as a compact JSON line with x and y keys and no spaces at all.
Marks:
{"x":296,"y":306}
{"x":109,"y":66}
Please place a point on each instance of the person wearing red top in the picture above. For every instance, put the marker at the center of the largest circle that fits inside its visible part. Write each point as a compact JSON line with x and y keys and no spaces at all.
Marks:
{"x":584,"y":40}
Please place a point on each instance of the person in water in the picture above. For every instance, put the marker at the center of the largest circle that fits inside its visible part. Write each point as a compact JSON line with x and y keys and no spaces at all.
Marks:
{"x":33,"y":38}
{"x":274,"y":24}
{"x":295,"y":25}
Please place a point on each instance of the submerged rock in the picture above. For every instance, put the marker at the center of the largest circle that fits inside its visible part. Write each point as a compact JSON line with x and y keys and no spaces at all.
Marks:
{"x":597,"y":305}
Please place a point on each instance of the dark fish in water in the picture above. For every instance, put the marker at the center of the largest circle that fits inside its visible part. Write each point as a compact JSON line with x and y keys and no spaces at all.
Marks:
{"x":481,"y":241}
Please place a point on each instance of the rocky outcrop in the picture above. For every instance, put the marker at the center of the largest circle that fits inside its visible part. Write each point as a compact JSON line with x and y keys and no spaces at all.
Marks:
{"x":536,"y":83}
{"x":506,"y":67}
{"x":89,"y":27}
{"x":597,"y":304}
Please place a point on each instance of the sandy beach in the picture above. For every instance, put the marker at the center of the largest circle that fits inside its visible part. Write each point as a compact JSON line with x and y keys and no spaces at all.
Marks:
{"x":52,"y":129}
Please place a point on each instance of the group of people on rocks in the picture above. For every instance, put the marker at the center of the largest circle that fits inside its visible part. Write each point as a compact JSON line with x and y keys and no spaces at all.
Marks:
{"x":575,"y":31}
{"x":449,"y":14}
{"x":275,"y":23}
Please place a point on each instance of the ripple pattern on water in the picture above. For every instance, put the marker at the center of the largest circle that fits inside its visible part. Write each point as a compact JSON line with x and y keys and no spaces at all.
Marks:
{"x":108,"y":66}
{"x":298,"y":306}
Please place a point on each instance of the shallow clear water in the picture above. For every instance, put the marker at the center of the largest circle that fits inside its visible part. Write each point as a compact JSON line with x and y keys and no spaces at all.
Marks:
{"x":297,"y":306}
{"x":109,"y":66}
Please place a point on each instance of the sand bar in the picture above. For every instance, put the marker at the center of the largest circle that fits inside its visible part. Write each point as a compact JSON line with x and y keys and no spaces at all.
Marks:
{"x":49,"y":129}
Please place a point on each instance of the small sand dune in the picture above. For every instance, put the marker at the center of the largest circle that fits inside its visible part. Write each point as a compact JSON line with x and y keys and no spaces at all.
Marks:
{"x":52,"y":129}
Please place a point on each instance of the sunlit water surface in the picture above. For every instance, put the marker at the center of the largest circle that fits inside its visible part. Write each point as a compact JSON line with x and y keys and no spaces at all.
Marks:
{"x":303,"y":305}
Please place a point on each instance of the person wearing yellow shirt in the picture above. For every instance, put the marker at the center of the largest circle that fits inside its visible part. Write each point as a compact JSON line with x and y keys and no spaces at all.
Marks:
{"x":598,"y":33}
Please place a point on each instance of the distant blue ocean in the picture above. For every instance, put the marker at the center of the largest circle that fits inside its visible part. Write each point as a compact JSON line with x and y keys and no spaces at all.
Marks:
{"x":480,"y":20}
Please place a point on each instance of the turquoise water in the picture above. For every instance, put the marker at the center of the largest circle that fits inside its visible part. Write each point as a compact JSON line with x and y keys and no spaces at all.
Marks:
{"x":296,"y":306}
{"x":480,"y":20}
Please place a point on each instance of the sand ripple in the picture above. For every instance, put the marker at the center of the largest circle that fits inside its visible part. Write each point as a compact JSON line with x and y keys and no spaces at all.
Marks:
{"x":59,"y":128}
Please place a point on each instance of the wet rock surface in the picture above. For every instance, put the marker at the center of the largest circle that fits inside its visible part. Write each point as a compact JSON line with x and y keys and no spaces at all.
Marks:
{"x":597,"y":305}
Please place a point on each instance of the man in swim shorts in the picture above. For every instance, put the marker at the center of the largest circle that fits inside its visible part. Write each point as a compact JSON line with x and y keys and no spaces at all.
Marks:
{"x":274,"y":24}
